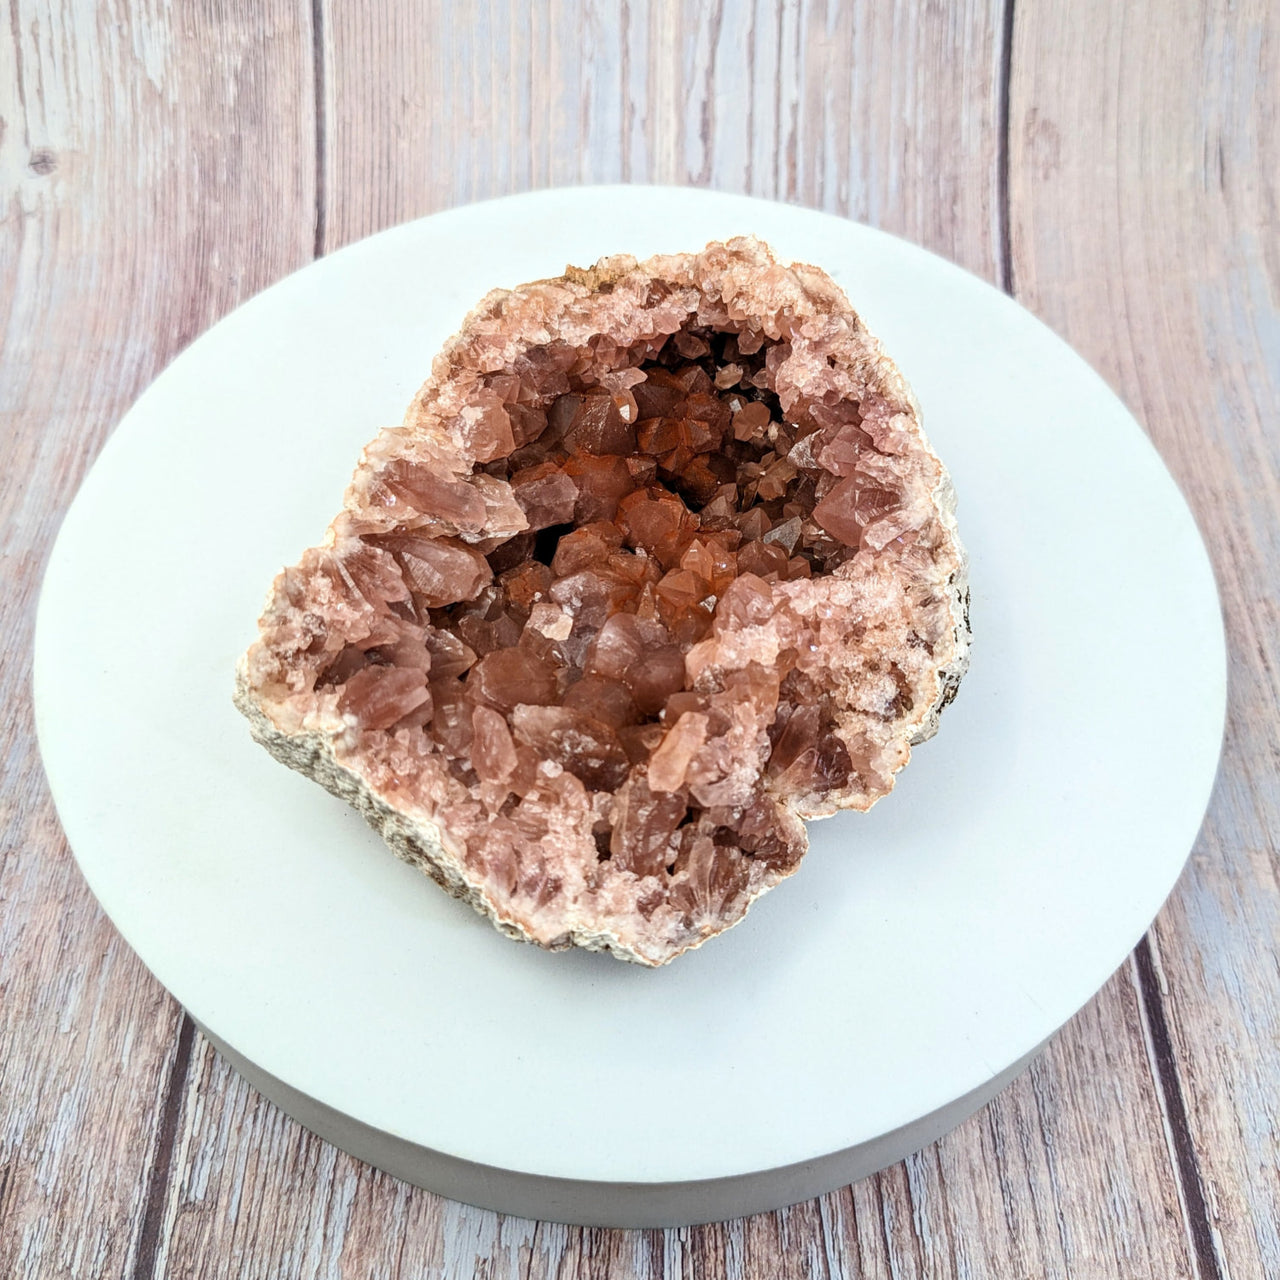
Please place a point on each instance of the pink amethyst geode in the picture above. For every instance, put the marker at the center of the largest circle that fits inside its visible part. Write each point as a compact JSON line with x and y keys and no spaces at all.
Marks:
{"x":659,"y":564}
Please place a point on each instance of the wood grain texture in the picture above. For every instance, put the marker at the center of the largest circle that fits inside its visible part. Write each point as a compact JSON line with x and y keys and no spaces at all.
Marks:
{"x":1078,"y":1141}
{"x":1167,"y":277}
{"x":859,"y":109}
{"x":134,"y":211}
{"x":157,"y":165}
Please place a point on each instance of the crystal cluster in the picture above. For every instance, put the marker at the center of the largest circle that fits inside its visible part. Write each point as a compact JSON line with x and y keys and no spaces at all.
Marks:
{"x":659,"y":563}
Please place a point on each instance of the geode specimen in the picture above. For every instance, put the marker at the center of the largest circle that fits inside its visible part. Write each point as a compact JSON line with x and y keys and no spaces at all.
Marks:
{"x":659,"y":563}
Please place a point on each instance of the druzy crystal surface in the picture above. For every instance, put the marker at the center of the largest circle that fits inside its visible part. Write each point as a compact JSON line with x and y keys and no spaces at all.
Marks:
{"x":658,"y":564}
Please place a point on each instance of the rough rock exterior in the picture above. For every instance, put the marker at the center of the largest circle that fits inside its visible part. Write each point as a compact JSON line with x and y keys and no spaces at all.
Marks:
{"x":659,"y":563}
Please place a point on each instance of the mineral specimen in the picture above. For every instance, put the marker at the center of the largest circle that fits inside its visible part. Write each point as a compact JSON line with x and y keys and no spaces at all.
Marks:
{"x":659,"y":563}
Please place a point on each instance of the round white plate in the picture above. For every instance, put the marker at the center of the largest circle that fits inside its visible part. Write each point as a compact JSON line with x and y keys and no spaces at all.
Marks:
{"x":916,"y":960}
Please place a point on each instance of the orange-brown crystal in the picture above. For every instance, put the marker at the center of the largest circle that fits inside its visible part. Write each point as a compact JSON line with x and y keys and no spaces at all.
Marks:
{"x":637,"y":578}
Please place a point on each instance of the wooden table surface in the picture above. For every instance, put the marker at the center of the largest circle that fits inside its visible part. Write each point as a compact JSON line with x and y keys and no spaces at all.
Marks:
{"x":1115,"y":167}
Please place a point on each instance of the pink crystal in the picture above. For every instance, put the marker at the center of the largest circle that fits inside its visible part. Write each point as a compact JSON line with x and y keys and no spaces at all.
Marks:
{"x":845,"y":450}
{"x":658,"y":522}
{"x":492,"y":750}
{"x":608,"y":701}
{"x":654,"y":679}
{"x":449,"y":656}
{"x":546,"y":495}
{"x":451,"y":724}
{"x":644,"y":823}
{"x":750,"y":421}
{"x":586,"y":747}
{"x":488,"y":429}
{"x":441,"y":570}
{"x":418,"y":489}
{"x":379,"y":696}
{"x":601,"y":482}
{"x":837,"y":512}
{"x":765,"y":559}
{"x":669,"y":764}
{"x":510,"y":676}
{"x":599,"y":428}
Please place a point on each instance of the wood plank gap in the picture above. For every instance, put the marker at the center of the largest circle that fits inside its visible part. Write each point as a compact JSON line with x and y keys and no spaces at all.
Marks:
{"x":161,"y":1166}
{"x":878,"y":1179}
{"x":777,"y":113}
{"x":627,"y":113}
{"x":1175,"y":1109}
{"x":317,"y":58}
{"x":15,"y":30}
{"x":707,"y":121}
{"x":1004,"y":212}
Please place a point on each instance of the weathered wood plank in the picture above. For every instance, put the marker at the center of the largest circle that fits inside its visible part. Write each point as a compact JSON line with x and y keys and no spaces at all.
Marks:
{"x":859,"y":109}
{"x":1163,"y":146}
{"x":135,"y":208}
{"x":887,"y":113}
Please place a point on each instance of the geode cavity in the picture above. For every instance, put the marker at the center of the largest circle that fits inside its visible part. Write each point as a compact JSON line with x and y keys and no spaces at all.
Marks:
{"x":659,"y":563}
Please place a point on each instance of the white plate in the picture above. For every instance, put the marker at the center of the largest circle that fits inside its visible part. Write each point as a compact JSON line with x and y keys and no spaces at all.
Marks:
{"x":921,"y":953}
